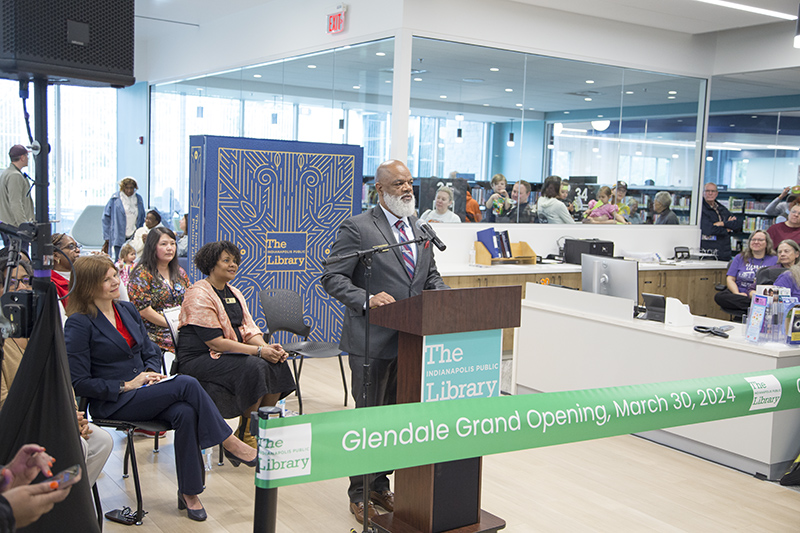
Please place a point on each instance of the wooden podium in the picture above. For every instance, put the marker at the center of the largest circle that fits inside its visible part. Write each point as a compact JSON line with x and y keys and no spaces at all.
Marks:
{"x":443,"y":497}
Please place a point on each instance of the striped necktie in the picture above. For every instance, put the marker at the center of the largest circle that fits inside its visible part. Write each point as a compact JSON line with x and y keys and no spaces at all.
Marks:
{"x":408,"y":255}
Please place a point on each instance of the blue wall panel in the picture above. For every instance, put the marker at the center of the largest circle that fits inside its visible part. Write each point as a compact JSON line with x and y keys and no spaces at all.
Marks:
{"x":281,"y":203}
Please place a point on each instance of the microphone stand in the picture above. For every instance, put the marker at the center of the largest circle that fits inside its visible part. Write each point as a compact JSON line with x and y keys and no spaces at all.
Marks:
{"x":366,"y":257}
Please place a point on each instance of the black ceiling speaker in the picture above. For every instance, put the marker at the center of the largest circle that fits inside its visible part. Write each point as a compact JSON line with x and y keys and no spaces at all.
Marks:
{"x":76,"y":42}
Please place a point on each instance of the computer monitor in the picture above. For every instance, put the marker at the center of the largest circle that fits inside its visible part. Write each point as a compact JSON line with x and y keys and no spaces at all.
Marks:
{"x":613,"y":277}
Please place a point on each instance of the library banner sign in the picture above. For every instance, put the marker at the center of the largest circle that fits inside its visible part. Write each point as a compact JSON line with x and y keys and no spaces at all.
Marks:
{"x":351,"y":442}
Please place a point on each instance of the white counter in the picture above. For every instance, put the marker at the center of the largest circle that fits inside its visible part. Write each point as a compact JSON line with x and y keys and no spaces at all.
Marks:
{"x":448,"y":269}
{"x":544,"y":239}
{"x":570,"y":340}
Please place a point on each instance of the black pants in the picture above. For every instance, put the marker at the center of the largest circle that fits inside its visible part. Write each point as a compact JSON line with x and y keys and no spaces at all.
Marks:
{"x":184,"y":404}
{"x":732,"y":302}
{"x":382,"y":391}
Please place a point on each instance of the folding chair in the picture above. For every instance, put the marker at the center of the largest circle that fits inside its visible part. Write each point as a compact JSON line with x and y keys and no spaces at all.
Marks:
{"x":128,"y":426}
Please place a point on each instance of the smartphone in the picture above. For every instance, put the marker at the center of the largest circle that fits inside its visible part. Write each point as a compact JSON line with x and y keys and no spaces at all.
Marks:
{"x":65,"y":478}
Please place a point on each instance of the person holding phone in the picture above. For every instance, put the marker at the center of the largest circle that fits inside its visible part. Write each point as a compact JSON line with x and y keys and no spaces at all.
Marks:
{"x":21,"y":503}
{"x":112,"y":363}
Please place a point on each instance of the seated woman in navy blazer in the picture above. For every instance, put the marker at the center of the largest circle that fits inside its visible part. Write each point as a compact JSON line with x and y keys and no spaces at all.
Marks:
{"x":112,"y":359}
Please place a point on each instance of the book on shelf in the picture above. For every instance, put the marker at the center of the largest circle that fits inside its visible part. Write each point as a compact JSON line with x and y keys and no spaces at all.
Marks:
{"x":735,"y":204}
{"x":489,"y":239}
{"x":505,"y":243}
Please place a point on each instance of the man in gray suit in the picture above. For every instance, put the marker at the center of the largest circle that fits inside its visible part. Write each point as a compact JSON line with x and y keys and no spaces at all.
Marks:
{"x":396,"y":274}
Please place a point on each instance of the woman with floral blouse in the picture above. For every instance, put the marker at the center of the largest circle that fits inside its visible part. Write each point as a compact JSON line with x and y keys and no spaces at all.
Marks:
{"x":157,"y":283}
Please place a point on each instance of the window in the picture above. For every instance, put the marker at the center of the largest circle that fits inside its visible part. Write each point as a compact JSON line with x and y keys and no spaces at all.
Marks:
{"x":82,"y":132}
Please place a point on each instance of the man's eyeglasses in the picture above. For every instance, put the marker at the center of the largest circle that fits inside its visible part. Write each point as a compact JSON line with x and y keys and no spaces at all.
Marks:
{"x":73,"y":246}
{"x":13,"y":283}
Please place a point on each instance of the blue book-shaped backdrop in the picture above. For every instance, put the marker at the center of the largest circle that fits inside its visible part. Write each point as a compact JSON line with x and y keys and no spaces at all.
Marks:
{"x":281,"y":203}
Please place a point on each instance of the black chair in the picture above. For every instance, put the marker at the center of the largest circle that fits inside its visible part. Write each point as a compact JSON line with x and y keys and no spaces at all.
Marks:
{"x":128,"y":426}
{"x":283,"y":310}
{"x":98,"y":507}
{"x":767,"y":276}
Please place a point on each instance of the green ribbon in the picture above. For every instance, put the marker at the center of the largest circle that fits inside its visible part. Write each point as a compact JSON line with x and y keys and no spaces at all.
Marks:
{"x":351,"y":442}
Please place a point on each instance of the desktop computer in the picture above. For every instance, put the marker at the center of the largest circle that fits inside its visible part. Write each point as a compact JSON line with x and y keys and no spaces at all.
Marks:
{"x":573,"y":248}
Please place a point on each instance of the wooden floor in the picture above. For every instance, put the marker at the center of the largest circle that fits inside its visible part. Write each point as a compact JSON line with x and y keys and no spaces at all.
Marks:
{"x":616,"y":484}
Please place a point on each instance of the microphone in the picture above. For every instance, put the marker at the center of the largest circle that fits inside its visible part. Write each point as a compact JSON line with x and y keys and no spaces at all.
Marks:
{"x":426,"y":228}
{"x":25,"y":231}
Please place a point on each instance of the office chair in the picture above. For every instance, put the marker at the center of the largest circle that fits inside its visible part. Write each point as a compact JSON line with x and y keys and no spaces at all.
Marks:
{"x":283,"y":310}
{"x":224,"y":400}
{"x":768,"y":276}
{"x":128,"y":426}
{"x":88,"y":230}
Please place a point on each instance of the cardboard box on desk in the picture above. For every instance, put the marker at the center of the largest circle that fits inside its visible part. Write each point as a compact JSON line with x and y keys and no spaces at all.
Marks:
{"x":521,"y":254}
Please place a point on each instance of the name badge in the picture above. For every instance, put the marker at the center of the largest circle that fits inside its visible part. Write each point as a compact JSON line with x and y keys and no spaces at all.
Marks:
{"x":230,"y":300}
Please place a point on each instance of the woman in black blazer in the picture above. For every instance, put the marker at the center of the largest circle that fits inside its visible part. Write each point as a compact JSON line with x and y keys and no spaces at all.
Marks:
{"x":112,"y":363}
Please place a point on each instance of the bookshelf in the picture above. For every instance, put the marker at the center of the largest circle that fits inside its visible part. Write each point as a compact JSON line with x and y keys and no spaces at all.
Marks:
{"x":749,"y":204}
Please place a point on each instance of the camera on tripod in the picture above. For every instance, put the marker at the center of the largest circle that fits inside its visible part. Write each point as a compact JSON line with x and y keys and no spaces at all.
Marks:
{"x":18,"y":314}
{"x":18,"y":306}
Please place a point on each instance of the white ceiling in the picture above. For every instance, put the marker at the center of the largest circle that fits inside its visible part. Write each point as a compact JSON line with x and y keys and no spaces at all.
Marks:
{"x":686,"y":16}
{"x":154,"y":17}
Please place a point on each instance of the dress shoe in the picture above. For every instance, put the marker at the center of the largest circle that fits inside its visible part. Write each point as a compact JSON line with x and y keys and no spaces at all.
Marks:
{"x":194,"y":514}
{"x":357,"y":508}
{"x":384,"y":498}
{"x":235,"y":461}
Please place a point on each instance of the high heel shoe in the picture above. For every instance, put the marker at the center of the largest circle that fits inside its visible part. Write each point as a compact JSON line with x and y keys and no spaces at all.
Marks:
{"x":235,"y":461}
{"x":194,"y":514}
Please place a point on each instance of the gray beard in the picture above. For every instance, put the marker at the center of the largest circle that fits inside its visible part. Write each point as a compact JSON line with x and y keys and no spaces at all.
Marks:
{"x":398,"y":207}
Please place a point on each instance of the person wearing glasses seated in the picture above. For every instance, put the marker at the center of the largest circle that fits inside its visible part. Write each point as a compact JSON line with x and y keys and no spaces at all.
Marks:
{"x":112,"y":363}
{"x":217,"y":335}
{"x":65,"y":249}
{"x":741,"y":278}
{"x":13,"y":349}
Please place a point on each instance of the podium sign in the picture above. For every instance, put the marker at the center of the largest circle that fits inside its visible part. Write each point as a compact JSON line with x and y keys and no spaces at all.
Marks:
{"x":461,"y":365}
{"x":440,"y":332}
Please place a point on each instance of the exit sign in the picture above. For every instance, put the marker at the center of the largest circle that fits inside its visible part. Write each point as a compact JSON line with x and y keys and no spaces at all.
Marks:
{"x":336,"y":20}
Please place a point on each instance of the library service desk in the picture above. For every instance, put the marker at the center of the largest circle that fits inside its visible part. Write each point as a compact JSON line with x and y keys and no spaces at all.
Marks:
{"x":692,"y":282}
{"x":571,"y":340}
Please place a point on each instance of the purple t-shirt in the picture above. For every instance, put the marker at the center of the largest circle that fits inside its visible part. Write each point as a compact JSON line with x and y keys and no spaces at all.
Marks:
{"x":746,"y":274}
{"x":787,"y":280}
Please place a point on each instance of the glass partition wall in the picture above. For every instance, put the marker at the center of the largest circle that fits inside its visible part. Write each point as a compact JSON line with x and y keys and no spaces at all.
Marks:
{"x":753,"y":146}
{"x":475,"y":112}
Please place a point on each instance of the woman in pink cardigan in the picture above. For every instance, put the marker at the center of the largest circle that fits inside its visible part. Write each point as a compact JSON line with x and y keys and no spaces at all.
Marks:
{"x":218,"y":341}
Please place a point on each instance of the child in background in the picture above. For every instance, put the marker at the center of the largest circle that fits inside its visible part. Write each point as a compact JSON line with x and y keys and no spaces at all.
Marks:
{"x":602,"y":209}
{"x":498,"y":204}
{"x":127,"y":258}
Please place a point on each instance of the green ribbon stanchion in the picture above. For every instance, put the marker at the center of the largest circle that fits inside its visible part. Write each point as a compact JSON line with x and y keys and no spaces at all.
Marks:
{"x":351,"y":442}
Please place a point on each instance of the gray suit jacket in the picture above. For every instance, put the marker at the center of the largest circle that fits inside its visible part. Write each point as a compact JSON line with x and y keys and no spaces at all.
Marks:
{"x":345,"y":280}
